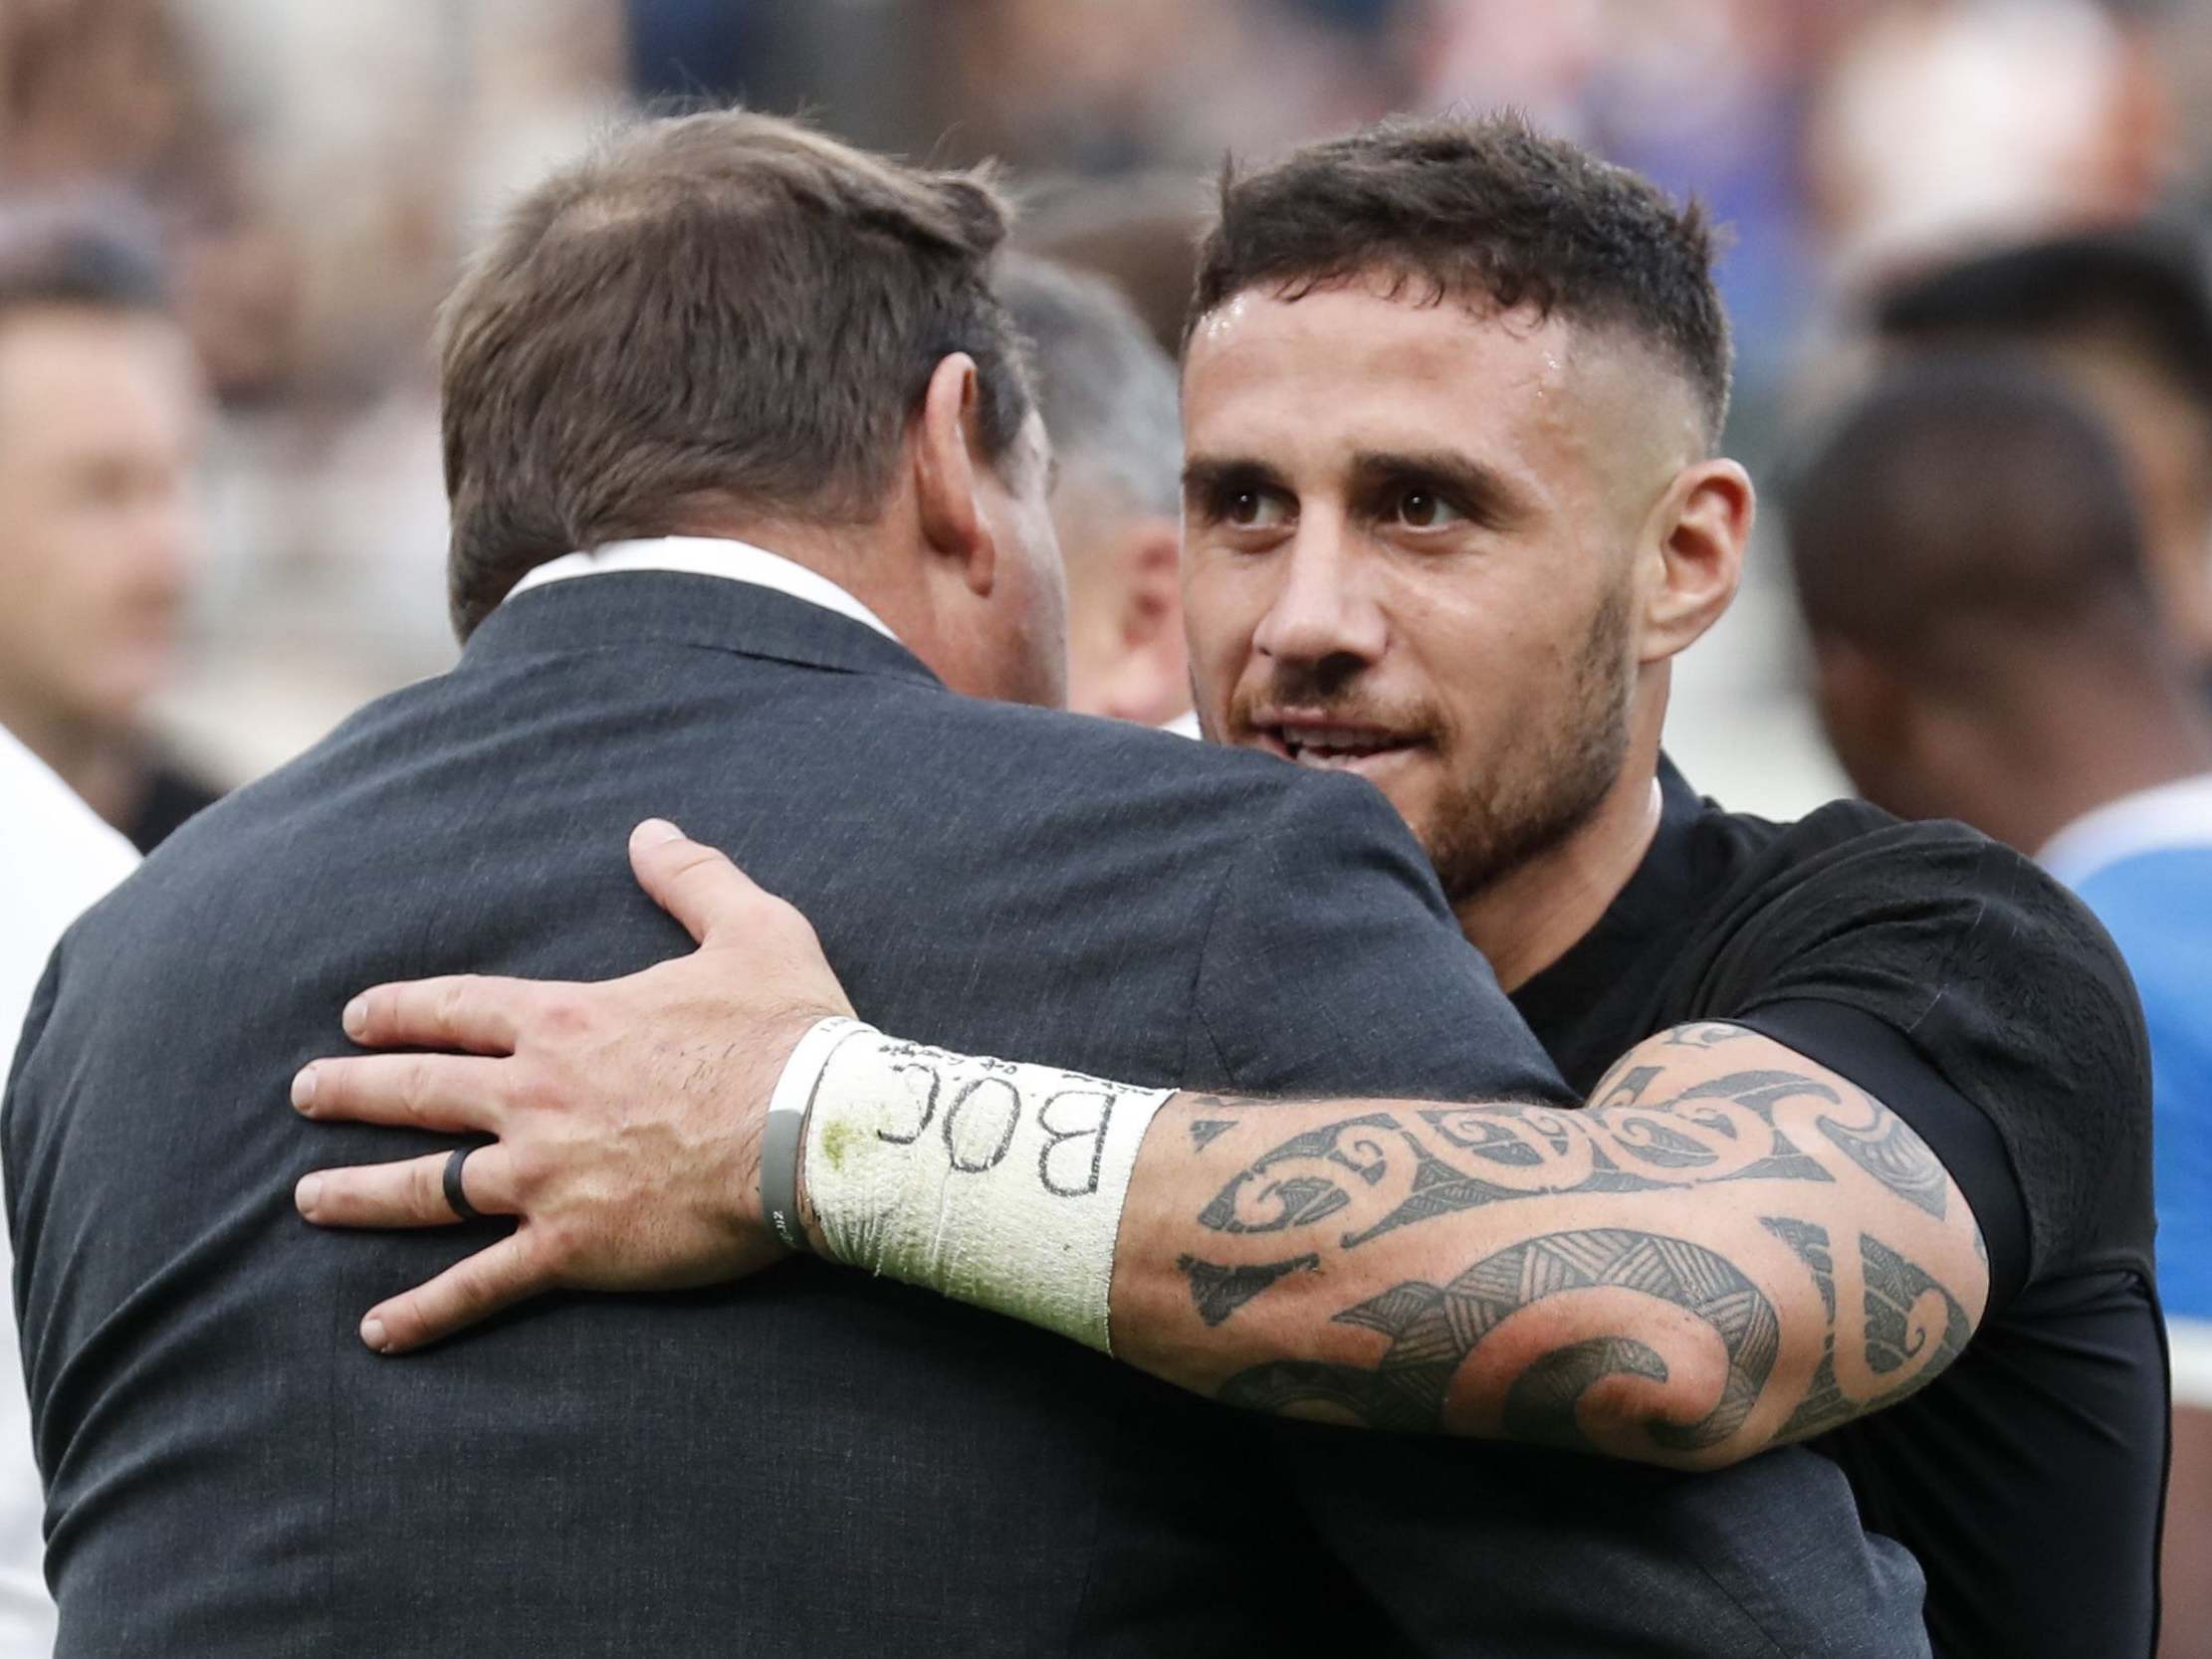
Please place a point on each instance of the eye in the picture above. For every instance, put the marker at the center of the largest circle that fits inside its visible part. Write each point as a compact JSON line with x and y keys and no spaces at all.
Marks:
{"x":1425,"y":510}
{"x":1249,"y":508}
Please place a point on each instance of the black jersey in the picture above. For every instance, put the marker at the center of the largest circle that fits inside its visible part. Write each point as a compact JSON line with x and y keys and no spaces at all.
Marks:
{"x":1954,"y":983}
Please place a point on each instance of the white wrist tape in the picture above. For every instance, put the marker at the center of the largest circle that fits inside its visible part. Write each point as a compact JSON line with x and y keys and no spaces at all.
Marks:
{"x":995,"y":1183}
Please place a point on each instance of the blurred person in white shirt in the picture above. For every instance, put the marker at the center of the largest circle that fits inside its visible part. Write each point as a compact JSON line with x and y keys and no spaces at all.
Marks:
{"x":56,"y":858}
{"x":102,"y":404}
{"x":1108,"y":396}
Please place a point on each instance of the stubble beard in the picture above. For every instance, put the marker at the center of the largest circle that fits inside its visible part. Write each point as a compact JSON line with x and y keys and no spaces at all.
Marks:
{"x":1550,"y":778}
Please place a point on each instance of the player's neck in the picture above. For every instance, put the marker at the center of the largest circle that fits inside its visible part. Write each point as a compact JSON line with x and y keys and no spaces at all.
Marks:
{"x":1528,"y":919}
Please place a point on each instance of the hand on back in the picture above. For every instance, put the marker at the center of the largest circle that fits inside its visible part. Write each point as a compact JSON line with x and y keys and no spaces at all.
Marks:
{"x":628,"y":1114}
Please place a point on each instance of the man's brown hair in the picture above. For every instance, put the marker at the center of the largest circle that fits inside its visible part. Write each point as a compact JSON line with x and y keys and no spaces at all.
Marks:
{"x":1478,"y":208}
{"x":723,"y":307}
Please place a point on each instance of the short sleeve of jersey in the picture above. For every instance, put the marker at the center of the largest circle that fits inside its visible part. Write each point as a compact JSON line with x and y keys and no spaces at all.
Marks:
{"x":1996,"y":976}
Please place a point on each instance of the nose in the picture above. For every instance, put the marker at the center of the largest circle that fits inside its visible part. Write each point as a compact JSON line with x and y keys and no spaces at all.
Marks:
{"x":1323,"y":612}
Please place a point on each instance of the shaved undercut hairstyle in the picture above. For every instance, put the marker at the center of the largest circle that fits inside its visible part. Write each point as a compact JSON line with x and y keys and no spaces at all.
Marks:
{"x":725,"y":307}
{"x":1967,"y":503}
{"x":1482,"y":209}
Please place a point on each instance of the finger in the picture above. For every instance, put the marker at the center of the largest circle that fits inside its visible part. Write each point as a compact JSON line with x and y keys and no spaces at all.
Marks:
{"x":695,"y":883}
{"x":445,"y":1092}
{"x":408,"y":1193}
{"x":474,"y":1288}
{"x":472,"y":1011}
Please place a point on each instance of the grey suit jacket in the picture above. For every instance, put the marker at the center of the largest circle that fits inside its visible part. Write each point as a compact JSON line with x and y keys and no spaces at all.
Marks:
{"x":811,"y":1462}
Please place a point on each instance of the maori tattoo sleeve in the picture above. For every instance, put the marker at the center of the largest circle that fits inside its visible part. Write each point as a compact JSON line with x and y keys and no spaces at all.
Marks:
{"x":1895,"y":1157}
{"x":1656,"y":1124}
{"x":1263,"y":1201}
{"x":1899,"y":1298}
{"x":1462,"y":1157}
{"x":1433,"y":1328}
{"x":1219,"y":1292}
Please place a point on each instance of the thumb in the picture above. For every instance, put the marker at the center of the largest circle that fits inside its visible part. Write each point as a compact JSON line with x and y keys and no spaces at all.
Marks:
{"x":695,"y":883}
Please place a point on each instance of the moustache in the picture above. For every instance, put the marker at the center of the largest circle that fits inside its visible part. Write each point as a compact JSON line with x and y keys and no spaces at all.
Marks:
{"x":1313,"y":690}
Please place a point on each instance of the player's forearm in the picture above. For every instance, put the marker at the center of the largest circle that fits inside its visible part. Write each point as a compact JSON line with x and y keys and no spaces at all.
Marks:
{"x":1728,"y":1248}
{"x":1333,"y":1260}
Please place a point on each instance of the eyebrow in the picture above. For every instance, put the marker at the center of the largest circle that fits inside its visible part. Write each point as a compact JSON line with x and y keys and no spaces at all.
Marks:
{"x":1481,"y":491}
{"x":1207,"y":474}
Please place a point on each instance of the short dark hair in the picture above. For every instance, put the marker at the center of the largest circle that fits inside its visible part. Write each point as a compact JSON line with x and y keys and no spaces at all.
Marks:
{"x":1104,"y":385}
{"x":1965,"y":496}
{"x":93,"y":254}
{"x":1484,"y":206}
{"x":2144,"y":287}
{"x":721,"y":306}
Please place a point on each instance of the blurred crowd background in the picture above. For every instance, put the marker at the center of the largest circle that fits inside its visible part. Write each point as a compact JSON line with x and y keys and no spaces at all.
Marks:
{"x":315,"y":172}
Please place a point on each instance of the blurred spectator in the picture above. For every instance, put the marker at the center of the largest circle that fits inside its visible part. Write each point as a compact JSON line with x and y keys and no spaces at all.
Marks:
{"x":1108,"y":89}
{"x":693,"y":49}
{"x":1141,"y":234}
{"x":1108,"y":396}
{"x":100,"y":410}
{"x":1944,"y":121}
{"x":2126,"y":316}
{"x":316,"y":169}
{"x":1611,"y":73}
{"x":1987,"y":648}
{"x":108,"y":95}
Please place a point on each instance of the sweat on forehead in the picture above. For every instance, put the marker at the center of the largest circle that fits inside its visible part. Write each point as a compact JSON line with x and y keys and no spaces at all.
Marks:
{"x":1479,"y":211}
{"x":1626,"y":403}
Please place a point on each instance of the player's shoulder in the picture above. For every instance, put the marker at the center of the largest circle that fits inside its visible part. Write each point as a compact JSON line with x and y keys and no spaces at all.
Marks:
{"x":1992,"y":971}
{"x":1921,"y":917}
{"x":1850,"y":829}
{"x":1853,"y":859}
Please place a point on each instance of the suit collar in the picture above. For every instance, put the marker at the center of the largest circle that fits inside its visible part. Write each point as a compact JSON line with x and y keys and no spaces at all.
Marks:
{"x":707,"y":555}
{"x":637,"y":607}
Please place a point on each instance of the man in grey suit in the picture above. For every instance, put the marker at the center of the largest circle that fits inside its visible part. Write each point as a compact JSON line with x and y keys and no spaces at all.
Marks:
{"x":724,"y":335}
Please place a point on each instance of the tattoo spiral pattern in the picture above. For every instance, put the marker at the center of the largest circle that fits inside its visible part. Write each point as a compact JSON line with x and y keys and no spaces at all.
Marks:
{"x":1433,"y":1328}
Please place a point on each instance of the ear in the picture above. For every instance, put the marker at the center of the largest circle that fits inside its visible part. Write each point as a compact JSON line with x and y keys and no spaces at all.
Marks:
{"x":1151,"y":681}
{"x":1696,"y":535}
{"x":946,"y":477}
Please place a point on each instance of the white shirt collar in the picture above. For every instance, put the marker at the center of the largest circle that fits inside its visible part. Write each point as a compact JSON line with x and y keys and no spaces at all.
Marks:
{"x":56,"y":858}
{"x":2176,"y":814}
{"x":707,"y":555}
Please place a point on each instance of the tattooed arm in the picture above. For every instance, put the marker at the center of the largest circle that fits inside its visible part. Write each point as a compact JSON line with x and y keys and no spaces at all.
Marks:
{"x":1729,"y":1246}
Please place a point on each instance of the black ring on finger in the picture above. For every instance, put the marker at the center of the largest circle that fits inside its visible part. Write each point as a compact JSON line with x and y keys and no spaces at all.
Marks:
{"x":455,"y":1193}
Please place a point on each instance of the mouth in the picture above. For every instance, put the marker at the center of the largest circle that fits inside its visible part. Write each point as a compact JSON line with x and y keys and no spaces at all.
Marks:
{"x":1332,"y":745}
